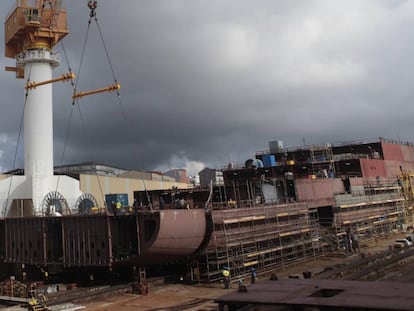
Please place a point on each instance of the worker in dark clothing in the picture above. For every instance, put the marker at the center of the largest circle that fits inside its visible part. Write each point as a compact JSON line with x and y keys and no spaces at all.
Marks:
{"x":162,"y":203}
{"x":355,"y":242}
{"x":113,"y":208}
{"x":253,"y":275}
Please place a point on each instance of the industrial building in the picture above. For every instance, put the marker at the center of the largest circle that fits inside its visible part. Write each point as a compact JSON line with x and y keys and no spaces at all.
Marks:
{"x":179,"y":175}
{"x":103,"y":181}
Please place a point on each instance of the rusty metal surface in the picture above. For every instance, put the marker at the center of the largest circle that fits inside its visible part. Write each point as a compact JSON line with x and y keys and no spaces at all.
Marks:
{"x":102,"y":239}
{"x":86,"y":241}
{"x":371,"y":168}
{"x":392,"y":152}
{"x":25,"y":240}
{"x":408,"y":153}
{"x":180,"y":233}
{"x":71,"y":240}
{"x":394,"y":167}
{"x":336,"y":295}
{"x":318,"y":192}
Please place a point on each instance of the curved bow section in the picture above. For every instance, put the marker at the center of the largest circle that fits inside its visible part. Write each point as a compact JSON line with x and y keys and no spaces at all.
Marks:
{"x":180,"y":234}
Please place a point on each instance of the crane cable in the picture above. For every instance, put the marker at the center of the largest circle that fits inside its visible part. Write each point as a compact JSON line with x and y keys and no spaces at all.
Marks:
{"x":26,"y":94}
{"x":92,"y":15}
{"x":70,"y":117}
{"x":76,"y":101}
{"x":74,"y":87}
{"x":92,"y":4}
{"x":54,"y":23}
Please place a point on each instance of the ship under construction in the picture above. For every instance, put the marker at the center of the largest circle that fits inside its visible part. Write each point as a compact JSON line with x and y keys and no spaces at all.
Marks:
{"x":291,"y":204}
{"x":283,"y":206}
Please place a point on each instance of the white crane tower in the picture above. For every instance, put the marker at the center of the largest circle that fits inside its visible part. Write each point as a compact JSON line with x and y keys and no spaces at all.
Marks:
{"x":31,"y":31}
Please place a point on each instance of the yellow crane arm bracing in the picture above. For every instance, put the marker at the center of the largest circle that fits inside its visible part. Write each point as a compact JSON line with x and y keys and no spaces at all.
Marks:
{"x":112,"y":87}
{"x":64,"y":77}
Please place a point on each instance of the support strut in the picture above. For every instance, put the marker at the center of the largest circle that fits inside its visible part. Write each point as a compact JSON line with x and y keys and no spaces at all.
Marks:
{"x":109,"y":88}
{"x":64,"y":77}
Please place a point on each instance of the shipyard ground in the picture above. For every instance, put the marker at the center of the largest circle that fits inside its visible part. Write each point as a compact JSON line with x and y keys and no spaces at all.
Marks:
{"x":201,"y":296}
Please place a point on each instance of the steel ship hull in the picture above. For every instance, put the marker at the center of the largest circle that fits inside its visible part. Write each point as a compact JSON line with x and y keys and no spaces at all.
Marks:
{"x":104,"y":240}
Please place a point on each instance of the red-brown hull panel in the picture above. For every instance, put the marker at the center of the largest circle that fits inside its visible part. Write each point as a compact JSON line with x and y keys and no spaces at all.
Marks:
{"x":104,"y":240}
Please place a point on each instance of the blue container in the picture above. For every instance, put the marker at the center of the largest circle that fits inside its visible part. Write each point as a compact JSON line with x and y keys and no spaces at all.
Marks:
{"x":269,"y":160}
{"x":115,"y":198}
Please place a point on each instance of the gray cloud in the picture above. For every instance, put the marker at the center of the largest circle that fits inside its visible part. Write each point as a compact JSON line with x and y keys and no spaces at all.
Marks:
{"x":208,"y":82}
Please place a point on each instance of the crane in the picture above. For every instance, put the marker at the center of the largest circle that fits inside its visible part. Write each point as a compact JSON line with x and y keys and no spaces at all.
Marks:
{"x":32,"y":31}
{"x":34,"y":24}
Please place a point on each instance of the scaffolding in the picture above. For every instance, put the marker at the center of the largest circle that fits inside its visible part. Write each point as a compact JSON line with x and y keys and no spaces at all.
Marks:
{"x":376,"y":210}
{"x":321,"y":159}
{"x":262,"y":237}
{"x":406,"y":182}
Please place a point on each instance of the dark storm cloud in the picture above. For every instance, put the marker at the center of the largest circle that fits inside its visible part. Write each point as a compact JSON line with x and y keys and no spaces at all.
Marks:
{"x":208,"y":82}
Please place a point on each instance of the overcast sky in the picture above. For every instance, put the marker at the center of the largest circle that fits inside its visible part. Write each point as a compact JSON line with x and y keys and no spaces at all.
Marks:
{"x":208,"y":82}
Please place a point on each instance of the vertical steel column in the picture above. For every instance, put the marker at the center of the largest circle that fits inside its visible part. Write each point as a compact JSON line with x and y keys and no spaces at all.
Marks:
{"x":44,"y":235}
{"x":138,"y":234}
{"x":110,"y":261}
{"x":64,"y":244}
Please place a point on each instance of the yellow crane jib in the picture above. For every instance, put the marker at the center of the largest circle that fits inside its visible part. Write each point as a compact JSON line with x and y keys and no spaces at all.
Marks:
{"x":109,"y":88}
{"x":64,"y":77}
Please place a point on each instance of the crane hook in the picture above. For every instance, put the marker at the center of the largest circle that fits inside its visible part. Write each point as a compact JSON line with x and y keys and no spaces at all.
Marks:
{"x":92,"y":6}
